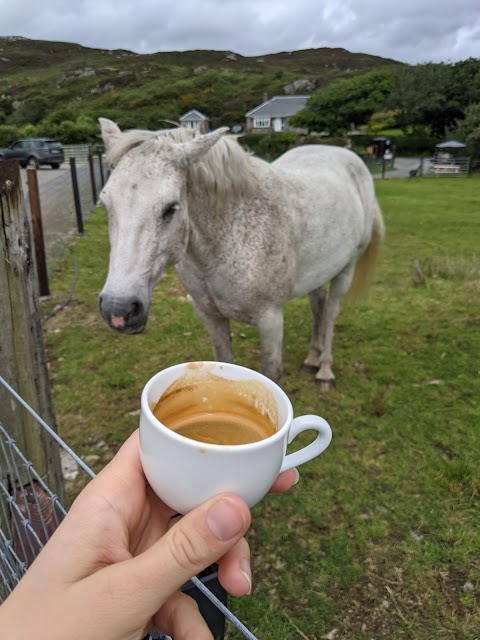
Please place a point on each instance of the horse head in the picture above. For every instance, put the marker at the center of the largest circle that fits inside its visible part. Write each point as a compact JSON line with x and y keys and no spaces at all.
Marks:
{"x":148,"y":221}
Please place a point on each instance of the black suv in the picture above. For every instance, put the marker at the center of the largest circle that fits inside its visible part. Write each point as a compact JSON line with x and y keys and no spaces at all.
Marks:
{"x":34,"y":152}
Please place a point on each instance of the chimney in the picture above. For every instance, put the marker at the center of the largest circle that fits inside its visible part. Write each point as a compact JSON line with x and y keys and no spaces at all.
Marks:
{"x":265,"y":96}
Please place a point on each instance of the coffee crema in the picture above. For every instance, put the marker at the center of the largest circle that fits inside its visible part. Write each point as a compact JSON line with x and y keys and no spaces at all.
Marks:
{"x":213,"y":410}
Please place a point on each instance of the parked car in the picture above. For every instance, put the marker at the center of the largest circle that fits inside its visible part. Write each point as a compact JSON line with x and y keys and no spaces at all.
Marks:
{"x":237,"y":128}
{"x":35,"y":152}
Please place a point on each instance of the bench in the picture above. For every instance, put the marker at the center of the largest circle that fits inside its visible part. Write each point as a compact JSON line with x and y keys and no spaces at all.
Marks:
{"x":445,"y":168}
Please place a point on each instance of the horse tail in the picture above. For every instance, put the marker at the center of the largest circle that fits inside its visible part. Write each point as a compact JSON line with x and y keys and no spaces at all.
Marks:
{"x":365,"y":266}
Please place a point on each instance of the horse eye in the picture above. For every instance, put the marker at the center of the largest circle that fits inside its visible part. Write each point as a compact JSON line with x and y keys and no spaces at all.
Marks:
{"x":170,"y":211}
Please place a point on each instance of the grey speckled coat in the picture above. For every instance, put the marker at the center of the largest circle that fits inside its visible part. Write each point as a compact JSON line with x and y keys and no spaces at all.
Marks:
{"x":245,"y":235}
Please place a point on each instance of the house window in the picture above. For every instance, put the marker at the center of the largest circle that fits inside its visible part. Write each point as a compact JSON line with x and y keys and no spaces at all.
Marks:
{"x":261,"y":123}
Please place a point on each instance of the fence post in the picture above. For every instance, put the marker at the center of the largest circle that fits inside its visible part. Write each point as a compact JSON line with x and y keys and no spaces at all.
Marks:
{"x":76,"y":195}
{"x":92,"y":177}
{"x":37,"y":228}
{"x":22,"y":354}
{"x":102,"y":177}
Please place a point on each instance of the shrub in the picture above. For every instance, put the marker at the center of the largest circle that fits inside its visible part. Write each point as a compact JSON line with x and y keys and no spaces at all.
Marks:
{"x":8,"y":134}
{"x":403,"y":145}
{"x":269,"y":146}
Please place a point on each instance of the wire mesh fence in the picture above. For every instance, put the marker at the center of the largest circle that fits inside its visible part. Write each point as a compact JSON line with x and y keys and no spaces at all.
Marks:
{"x":30,"y":513}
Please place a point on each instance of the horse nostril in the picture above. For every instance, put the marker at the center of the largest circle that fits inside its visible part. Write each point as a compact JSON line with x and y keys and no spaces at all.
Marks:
{"x":123,"y":313}
{"x":136,"y":309}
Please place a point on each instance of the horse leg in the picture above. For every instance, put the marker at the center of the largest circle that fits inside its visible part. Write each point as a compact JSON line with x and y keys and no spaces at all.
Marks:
{"x":317,"y":299}
{"x":270,"y":327}
{"x":218,"y":328}
{"x":338,"y":288}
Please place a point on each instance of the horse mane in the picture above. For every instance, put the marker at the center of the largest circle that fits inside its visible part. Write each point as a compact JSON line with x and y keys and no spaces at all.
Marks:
{"x":222,"y":173}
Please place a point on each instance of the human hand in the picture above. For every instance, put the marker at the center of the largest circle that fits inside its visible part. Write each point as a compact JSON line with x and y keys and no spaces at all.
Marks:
{"x":113,"y":568}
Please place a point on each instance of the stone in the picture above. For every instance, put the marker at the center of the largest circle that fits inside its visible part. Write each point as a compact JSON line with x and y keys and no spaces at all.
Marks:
{"x":302,"y":86}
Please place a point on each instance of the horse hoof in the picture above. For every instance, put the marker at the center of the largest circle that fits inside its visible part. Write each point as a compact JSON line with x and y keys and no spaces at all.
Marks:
{"x":308,"y":369}
{"x":326,"y":385}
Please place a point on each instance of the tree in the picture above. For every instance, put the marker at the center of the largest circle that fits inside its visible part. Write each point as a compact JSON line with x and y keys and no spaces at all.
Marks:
{"x":336,"y":107}
{"x":382,"y":120}
{"x":468,"y":124}
{"x":434,"y":95}
{"x":468,"y":130}
{"x":465,"y":82}
{"x":473,"y":144}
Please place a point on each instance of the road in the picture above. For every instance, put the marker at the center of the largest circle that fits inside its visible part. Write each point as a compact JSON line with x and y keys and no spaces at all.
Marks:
{"x":57,"y":205}
{"x":403,"y":166}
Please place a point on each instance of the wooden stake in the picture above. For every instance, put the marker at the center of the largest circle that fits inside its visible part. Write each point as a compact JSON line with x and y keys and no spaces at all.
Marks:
{"x":22,"y":354}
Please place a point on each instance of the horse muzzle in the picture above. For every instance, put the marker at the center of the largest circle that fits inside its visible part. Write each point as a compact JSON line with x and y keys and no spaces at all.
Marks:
{"x":127,"y":315}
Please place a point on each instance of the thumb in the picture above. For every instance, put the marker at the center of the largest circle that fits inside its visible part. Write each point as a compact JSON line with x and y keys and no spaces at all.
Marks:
{"x":195,"y":542}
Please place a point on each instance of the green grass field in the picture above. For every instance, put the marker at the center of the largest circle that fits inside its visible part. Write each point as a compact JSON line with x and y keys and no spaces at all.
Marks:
{"x":381,"y":538}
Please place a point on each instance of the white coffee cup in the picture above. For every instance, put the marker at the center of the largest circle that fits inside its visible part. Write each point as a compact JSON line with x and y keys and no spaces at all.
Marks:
{"x":184,"y":472}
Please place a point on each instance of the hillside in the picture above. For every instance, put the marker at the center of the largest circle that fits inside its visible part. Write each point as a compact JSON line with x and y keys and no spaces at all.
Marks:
{"x":72,"y":81}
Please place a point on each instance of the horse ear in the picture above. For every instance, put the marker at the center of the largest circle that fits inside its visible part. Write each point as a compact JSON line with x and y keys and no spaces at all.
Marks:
{"x":198,"y":147}
{"x":110,"y":132}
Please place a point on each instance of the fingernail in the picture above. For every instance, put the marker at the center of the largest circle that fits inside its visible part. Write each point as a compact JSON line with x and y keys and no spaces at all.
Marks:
{"x":225,"y":520}
{"x":297,"y":476}
{"x":246,"y":571}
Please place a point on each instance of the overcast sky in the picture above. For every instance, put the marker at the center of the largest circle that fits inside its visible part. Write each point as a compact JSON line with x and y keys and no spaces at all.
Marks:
{"x":413,"y":31}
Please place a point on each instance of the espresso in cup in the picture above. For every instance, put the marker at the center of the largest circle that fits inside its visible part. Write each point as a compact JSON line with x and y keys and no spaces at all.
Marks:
{"x":184,"y":472}
{"x":214,"y":410}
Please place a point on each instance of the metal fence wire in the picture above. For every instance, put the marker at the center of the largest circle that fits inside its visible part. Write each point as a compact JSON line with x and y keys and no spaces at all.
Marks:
{"x":30,"y":513}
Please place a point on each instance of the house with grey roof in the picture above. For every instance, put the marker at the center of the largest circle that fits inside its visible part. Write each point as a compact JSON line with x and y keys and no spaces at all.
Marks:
{"x":193,"y":119}
{"x":273,"y":114}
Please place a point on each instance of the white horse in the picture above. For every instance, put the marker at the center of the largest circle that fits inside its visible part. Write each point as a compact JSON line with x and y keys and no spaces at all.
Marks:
{"x":245,"y":235}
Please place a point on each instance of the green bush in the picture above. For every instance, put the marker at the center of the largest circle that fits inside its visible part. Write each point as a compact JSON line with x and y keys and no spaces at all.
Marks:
{"x":402,"y":145}
{"x":8,"y":134}
{"x":270,"y":145}
{"x":337,"y":141}
{"x":415,"y":145}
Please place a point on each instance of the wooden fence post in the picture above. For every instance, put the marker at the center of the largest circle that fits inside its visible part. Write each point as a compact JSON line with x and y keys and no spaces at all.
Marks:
{"x":22,"y":355}
{"x":37,"y":229}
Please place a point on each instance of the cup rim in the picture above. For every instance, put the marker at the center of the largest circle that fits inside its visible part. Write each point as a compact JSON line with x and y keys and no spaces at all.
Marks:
{"x":159,"y":426}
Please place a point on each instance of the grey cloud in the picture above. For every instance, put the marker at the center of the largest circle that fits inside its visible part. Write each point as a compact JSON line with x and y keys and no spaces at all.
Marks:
{"x":410,"y":30}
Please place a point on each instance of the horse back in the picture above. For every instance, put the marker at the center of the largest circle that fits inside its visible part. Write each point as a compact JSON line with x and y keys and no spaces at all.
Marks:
{"x":335,"y":209}
{"x":321,"y":158}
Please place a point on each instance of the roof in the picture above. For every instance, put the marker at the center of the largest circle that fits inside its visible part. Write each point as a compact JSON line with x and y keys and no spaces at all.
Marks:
{"x":451,"y":144}
{"x":193,"y":114}
{"x":279,"y":106}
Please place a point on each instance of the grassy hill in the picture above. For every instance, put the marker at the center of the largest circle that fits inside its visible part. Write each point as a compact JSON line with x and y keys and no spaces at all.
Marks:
{"x":67,"y":81}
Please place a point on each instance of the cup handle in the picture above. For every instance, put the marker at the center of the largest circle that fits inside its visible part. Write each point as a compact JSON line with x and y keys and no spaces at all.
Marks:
{"x":315,"y":448}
